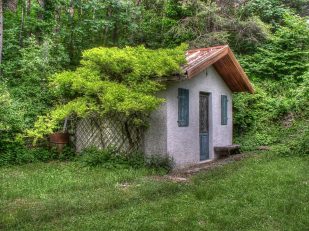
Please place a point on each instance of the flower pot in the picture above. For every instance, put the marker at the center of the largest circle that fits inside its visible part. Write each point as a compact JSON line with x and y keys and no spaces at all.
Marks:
{"x":59,"y":140}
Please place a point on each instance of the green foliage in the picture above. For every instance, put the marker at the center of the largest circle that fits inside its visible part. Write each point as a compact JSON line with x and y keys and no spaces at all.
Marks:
{"x":11,"y":120}
{"x":107,"y":158}
{"x":208,"y":25}
{"x":26,"y":95}
{"x":247,"y":35}
{"x":112,"y":80}
{"x":30,"y":84}
{"x":286,"y":55}
{"x":11,"y":113}
{"x":270,"y":11}
{"x":266,"y":134}
{"x":301,"y":96}
{"x":294,"y":140}
{"x":203,"y":27}
{"x":279,"y":71}
{"x":17,"y":154}
{"x":66,"y":154}
{"x":110,"y":158}
{"x":299,"y":6}
{"x":302,"y":146}
{"x":252,"y":110}
{"x":160,"y":162}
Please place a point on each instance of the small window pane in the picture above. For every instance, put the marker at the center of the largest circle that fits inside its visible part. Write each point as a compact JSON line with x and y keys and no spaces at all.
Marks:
{"x":223,"y":110}
{"x":183,"y":107}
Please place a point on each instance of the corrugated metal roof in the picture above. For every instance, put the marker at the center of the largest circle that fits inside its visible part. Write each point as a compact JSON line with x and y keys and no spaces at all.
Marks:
{"x":224,"y":61}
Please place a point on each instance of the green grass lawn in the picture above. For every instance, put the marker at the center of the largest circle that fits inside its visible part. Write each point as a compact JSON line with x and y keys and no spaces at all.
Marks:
{"x":259,"y":193}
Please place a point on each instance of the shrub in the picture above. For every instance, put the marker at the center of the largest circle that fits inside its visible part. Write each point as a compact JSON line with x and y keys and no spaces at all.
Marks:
{"x":302,"y":146}
{"x":107,"y":158}
{"x":11,"y":112}
{"x":44,"y":155}
{"x":136,"y":159}
{"x":299,"y":146}
{"x":160,"y":162}
{"x":111,"y":158}
{"x":17,"y":154}
{"x":68,"y":153}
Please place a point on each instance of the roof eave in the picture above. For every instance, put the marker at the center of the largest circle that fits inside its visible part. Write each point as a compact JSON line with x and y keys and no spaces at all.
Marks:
{"x":243,"y":82}
{"x":208,"y":61}
{"x":227,"y":66}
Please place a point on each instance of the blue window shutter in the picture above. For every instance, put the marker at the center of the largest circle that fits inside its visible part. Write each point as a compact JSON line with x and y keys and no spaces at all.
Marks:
{"x":183,"y":107}
{"x":223,"y":110}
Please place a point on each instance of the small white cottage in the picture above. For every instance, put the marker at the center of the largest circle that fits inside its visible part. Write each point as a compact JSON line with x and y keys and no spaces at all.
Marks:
{"x":197,"y":115}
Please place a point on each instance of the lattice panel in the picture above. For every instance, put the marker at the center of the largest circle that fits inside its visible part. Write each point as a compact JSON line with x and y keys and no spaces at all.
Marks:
{"x":113,"y":131}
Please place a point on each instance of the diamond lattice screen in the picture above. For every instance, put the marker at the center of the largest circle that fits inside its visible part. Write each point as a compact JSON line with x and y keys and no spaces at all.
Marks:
{"x":111,"y":131}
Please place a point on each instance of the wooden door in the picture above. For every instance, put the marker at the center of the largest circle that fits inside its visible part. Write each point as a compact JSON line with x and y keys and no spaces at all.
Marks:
{"x":204,"y":126}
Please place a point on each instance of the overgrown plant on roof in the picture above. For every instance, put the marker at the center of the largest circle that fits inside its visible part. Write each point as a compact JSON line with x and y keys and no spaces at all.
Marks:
{"x":111,"y":80}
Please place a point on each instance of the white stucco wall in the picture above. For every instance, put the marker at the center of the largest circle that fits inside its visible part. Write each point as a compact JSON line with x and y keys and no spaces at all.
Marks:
{"x":182,"y":143}
{"x":155,"y":140}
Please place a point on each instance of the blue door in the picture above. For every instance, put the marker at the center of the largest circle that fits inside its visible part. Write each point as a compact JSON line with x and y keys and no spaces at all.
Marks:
{"x":204,"y":126}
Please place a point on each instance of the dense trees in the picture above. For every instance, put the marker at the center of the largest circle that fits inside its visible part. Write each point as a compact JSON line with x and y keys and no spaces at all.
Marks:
{"x":80,"y":24}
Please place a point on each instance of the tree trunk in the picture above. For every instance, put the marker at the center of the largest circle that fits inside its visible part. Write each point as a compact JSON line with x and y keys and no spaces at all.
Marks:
{"x":28,"y":7}
{"x":1,"y":30}
{"x":106,"y":29}
{"x":58,"y":20}
{"x":22,"y":24}
{"x":71,"y":23}
{"x":42,"y":4}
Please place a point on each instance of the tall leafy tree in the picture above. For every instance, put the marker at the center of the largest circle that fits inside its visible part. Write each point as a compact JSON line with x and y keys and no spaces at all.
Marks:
{"x":1,"y":30}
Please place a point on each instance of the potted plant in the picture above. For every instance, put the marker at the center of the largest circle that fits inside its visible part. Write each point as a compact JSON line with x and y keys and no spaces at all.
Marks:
{"x":61,"y":138}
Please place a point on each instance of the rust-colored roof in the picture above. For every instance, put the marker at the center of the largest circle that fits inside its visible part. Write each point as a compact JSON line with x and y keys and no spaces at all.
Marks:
{"x":225,"y":63}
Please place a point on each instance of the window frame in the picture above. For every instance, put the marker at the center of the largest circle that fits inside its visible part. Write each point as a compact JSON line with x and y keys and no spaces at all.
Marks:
{"x":224,"y":110}
{"x":183,"y":107}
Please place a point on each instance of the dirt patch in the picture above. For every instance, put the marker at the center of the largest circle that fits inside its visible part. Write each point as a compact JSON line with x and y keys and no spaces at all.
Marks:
{"x":124,"y":185}
{"x":176,"y":179}
{"x":187,"y":172}
{"x":183,"y":175}
{"x":263,"y":148}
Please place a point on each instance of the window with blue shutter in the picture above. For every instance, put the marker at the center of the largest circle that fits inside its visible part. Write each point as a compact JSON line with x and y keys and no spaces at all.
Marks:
{"x":183,"y":107}
{"x":223,"y":110}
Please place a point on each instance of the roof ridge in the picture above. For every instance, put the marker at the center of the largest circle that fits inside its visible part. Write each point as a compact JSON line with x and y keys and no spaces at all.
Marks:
{"x":207,"y":48}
